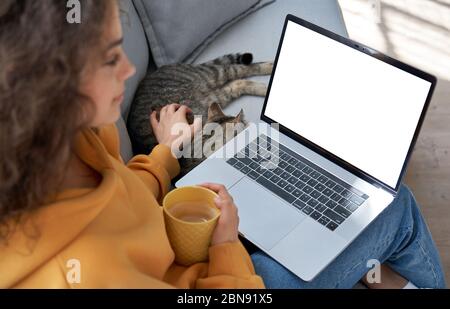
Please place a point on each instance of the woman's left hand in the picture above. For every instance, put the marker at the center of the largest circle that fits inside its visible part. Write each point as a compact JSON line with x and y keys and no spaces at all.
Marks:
{"x":227,"y":227}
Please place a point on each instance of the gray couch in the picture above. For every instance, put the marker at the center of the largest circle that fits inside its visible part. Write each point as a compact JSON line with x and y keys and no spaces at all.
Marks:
{"x":258,"y":33}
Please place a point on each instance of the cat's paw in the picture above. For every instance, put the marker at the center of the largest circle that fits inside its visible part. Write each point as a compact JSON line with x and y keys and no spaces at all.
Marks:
{"x":267,"y":67}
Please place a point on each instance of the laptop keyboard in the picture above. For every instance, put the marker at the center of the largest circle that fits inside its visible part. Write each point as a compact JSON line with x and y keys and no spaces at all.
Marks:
{"x":314,"y":191}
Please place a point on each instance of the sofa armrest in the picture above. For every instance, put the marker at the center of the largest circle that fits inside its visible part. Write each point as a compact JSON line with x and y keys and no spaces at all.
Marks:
{"x":137,"y":49}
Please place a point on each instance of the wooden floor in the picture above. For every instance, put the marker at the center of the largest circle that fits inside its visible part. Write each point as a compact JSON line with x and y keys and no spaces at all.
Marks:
{"x":417,"y":32}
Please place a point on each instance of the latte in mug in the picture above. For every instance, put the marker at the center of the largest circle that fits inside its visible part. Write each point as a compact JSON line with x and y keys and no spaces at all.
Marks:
{"x":192,"y":211}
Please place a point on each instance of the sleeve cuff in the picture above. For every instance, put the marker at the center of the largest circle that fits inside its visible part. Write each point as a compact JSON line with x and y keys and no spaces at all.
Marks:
{"x":230,"y":259}
{"x":163,"y":155}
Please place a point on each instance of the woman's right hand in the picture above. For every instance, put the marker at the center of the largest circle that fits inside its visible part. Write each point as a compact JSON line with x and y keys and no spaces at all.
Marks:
{"x":227,"y":226}
{"x":169,"y":116}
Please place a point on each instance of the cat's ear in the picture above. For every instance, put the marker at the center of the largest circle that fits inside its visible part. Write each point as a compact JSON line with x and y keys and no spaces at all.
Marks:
{"x":239,"y":117}
{"x":215,"y":110}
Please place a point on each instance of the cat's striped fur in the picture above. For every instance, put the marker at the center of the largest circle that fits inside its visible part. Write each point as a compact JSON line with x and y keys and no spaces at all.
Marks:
{"x":198,"y":86}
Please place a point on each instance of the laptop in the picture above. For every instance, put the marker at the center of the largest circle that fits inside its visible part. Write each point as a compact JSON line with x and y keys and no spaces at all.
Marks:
{"x":337,"y":128}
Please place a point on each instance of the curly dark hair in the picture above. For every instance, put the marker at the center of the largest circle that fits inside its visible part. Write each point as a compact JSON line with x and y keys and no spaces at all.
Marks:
{"x":42,"y":57}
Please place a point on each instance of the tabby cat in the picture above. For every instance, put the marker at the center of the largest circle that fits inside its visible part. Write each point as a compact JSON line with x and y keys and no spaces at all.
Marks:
{"x":205,"y":88}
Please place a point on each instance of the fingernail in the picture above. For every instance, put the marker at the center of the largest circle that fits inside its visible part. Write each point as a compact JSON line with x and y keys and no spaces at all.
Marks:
{"x":217,"y":199}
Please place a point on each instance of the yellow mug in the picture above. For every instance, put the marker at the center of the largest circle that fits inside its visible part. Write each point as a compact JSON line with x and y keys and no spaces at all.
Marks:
{"x":190,"y":216}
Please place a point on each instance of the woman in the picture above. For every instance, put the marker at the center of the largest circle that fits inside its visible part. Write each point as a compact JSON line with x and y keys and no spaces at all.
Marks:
{"x":72,"y":214}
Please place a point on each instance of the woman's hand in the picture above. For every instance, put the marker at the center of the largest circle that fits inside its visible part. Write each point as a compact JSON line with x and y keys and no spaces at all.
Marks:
{"x":169,"y":116}
{"x":227,"y":226}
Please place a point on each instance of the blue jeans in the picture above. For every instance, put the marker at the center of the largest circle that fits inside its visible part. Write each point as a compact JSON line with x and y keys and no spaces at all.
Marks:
{"x":398,"y":237}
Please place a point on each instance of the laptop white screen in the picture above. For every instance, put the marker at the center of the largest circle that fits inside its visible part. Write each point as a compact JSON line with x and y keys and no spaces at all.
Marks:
{"x":357,"y":107}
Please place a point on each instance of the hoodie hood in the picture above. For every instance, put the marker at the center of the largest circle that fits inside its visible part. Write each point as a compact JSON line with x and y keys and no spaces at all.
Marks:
{"x":46,"y":231}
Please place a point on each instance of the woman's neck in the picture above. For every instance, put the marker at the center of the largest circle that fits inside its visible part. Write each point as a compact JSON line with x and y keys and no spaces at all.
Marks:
{"x":80,"y":175}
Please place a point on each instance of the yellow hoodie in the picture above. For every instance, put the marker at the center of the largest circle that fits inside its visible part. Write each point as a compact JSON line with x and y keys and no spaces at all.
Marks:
{"x":114,"y":236}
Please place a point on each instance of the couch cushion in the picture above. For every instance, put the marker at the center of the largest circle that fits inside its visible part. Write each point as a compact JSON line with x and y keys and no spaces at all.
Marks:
{"x":126,"y":149}
{"x":179,"y":30}
{"x":260,"y":33}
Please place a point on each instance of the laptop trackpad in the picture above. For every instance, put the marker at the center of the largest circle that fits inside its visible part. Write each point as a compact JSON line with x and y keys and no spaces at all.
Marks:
{"x":264,"y":218}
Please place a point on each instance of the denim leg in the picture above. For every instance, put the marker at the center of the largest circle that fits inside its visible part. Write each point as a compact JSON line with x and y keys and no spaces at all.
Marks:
{"x":398,"y":237}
